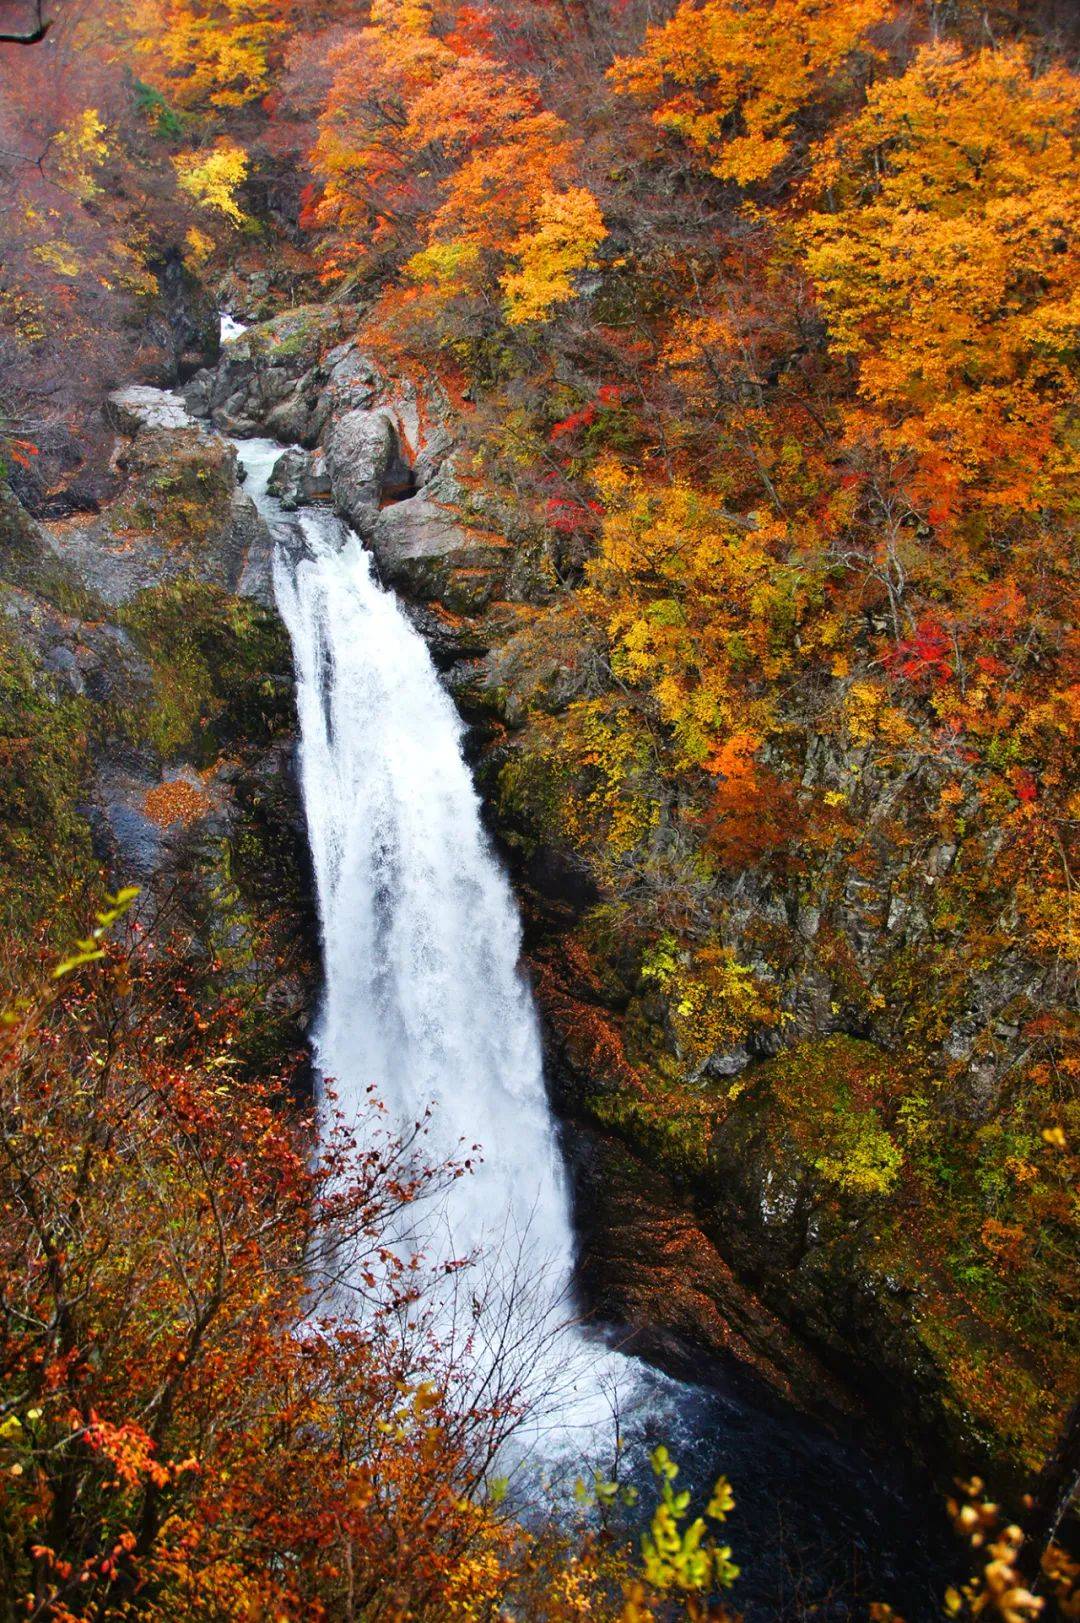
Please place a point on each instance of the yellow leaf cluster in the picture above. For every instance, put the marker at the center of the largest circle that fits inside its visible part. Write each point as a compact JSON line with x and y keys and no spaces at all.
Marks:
{"x":59,"y":257}
{"x":568,"y":228}
{"x":209,"y":53}
{"x":948,"y":259}
{"x":713,"y":1001}
{"x":213,"y":178}
{"x":870,"y":716}
{"x":82,"y":149}
{"x":692,"y":599}
{"x":729,"y":76}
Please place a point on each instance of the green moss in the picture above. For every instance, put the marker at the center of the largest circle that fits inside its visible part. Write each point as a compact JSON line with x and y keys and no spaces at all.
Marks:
{"x":978,"y":1226}
{"x":46,"y":858}
{"x":832,"y":1095}
{"x":970,"y":1225}
{"x":182,"y":500}
{"x":216,"y":662}
{"x":308,"y":326}
{"x":672,"y":1126}
{"x":531,"y":797}
{"x":26,"y":561}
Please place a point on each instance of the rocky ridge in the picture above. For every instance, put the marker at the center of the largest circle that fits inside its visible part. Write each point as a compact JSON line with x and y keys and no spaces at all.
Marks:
{"x":151,"y":625}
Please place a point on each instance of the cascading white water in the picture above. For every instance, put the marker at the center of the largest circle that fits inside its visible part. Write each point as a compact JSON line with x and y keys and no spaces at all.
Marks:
{"x":230,"y":328}
{"x":423,"y":993}
{"x":421,"y":941}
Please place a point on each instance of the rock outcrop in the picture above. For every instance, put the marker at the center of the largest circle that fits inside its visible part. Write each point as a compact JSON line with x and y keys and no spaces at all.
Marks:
{"x":284,"y":378}
{"x":183,"y":326}
{"x":180,"y":513}
{"x":361,"y":450}
{"x":300,"y":478}
{"x":143,"y":656}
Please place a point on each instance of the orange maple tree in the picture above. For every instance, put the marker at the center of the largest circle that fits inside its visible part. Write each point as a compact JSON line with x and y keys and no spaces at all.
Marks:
{"x":947,"y":261}
{"x":731,"y":79}
{"x":437,"y":156}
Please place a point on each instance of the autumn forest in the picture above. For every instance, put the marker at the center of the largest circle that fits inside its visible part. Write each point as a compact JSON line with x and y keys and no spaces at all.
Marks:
{"x":539,"y":1069}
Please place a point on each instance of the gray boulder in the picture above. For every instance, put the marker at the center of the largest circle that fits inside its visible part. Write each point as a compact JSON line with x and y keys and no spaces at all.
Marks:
{"x":363,"y":460}
{"x":286,"y":478}
{"x":271,"y":380}
{"x":300,"y":478}
{"x":353,"y":382}
{"x":140,"y":406}
{"x":422,"y":550}
{"x":252,"y":547}
{"x":198,"y":392}
{"x":412,"y":538}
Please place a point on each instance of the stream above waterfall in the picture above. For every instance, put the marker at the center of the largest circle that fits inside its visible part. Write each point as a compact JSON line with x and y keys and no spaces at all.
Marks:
{"x":424,"y":1000}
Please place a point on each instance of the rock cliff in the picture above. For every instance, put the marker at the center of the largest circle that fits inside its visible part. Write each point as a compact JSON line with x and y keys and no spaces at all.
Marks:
{"x":142,"y":645}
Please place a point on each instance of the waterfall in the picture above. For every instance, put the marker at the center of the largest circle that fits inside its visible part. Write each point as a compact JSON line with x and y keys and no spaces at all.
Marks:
{"x":230,"y":328}
{"x":424,"y":997}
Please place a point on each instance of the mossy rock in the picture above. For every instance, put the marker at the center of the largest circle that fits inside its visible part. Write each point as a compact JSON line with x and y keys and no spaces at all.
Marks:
{"x":805,"y":1171}
{"x":307,"y":329}
{"x":220,"y":669}
{"x":46,"y":856}
{"x":830,"y":1098}
{"x":179,"y":491}
{"x":28,"y":561}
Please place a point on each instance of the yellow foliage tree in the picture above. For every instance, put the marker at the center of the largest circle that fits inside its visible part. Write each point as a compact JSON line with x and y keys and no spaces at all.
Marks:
{"x":568,"y":229}
{"x":692,"y":597}
{"x":947,"y":259}
{"x":433,"y":152}
{"x":212,"y":178}
{"x":82,"y":149}
{"x":730,"y":76}
{"x":209,"y":53}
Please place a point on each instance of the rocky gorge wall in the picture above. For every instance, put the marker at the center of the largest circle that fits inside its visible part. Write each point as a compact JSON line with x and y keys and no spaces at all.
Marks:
{"x":747,"y":1183}
{"x":145,"y":658}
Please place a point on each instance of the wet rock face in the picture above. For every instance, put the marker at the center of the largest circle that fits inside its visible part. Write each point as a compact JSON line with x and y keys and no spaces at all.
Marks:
{"x":89,"y":659}
{"x":300,"y":478}
{"x":361,"y":449}
{"x":412,"y":542}
{"x":184,"y":326}
{"x":648,"y":1265}
{"x":424,"y":552}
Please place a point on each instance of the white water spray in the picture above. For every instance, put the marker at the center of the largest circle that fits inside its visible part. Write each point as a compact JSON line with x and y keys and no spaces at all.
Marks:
{"x":424,"y":997}
{"x":230,"y":328}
